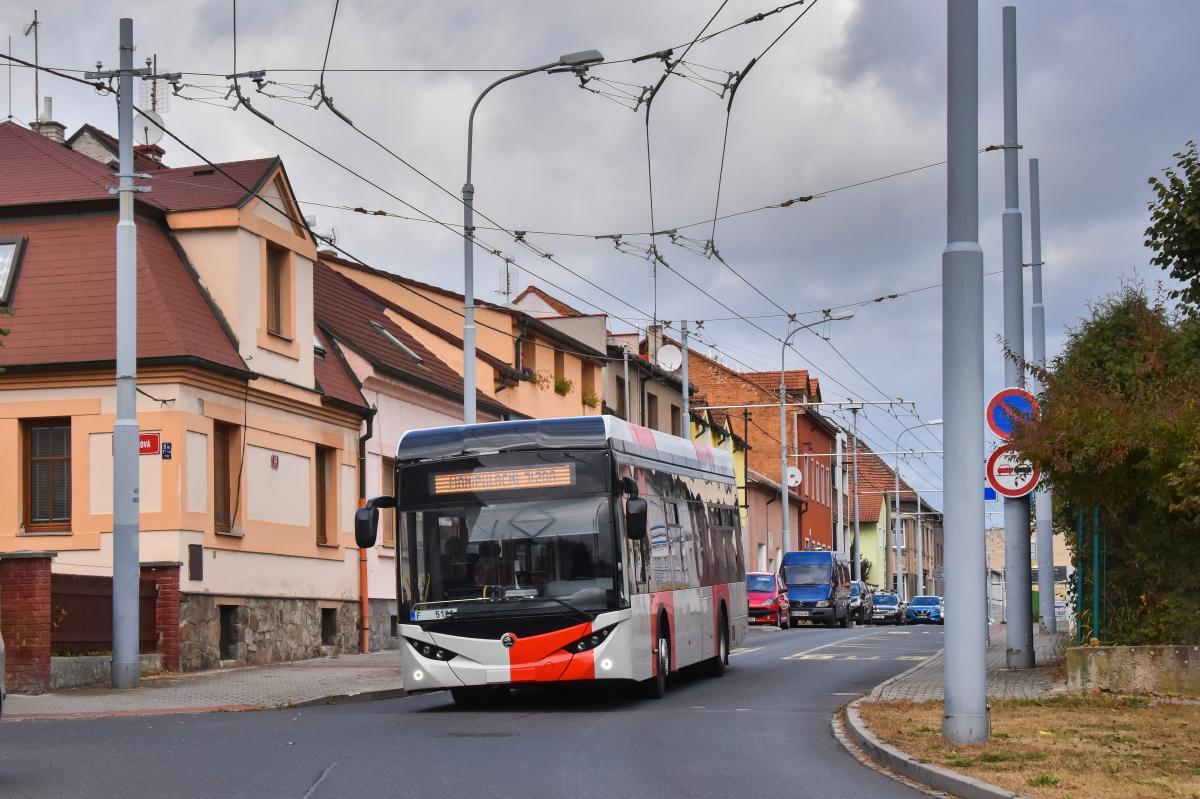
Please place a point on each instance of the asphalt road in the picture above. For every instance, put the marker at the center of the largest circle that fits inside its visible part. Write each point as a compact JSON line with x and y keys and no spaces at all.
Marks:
{"x":760,"y":732}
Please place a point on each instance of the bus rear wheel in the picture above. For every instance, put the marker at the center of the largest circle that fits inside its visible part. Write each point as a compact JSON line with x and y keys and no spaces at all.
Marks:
{"x":717,"y":666}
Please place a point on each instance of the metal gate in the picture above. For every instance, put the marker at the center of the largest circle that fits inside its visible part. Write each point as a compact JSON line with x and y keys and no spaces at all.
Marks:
{"x":81,"y":615}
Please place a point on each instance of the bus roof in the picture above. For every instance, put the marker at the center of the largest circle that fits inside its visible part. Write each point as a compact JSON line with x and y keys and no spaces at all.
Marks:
{"x":564,"y":433}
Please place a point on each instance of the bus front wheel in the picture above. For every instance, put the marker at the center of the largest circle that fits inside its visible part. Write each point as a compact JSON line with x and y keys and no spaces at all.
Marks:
{"x":656,"y":686}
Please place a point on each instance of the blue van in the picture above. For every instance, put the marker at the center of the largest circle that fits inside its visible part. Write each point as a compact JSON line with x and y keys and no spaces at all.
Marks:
{"x":818,"y":587}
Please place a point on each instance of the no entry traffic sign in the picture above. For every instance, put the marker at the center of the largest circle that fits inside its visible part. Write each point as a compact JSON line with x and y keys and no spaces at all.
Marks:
{"x":1007,"y":407}
{"x":1011,"y":475}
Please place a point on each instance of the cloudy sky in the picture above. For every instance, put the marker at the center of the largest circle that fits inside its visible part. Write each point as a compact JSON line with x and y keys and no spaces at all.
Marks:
{"x":855,"y":91}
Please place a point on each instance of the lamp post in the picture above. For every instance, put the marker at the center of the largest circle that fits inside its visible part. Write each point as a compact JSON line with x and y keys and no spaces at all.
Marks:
{"x":783,"y":467}
{"x":573,"y":62}
{"x":896,"y":537}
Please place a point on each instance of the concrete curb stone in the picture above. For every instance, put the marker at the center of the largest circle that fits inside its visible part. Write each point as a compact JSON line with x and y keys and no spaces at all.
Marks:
{"x":926,"y":773}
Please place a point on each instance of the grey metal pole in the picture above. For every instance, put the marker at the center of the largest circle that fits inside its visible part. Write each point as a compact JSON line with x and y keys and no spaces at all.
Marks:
{"x":896,"y":547}
{"x":1043,"y":499}
{"x":966,"y":719}
{"x":125,"y":661}
{"x":783,"y":473}
{"x":628,"y":397}
{"x":468,"y":199}
{"x":920,"y":550}
{"x":686,"y":426}
{"x":1018,"y":588}
{"x":857,"y":543}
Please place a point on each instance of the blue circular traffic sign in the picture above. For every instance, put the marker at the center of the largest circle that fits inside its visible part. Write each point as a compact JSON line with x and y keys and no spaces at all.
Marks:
{"x":1007,"y":407}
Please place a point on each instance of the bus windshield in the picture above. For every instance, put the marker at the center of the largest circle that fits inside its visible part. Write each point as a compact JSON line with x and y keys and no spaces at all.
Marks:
{"x":477,"y":558}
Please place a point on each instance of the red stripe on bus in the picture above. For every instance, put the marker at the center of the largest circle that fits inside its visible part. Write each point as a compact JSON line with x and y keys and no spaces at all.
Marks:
{"x":541,"y":658}
{"x":644,"y":436}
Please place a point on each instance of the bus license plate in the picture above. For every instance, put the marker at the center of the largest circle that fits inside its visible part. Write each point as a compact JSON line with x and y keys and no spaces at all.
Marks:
{"x":434,"y":614}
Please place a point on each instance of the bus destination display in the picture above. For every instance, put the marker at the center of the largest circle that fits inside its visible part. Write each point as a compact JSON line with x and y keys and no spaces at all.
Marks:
{"x":504,"y":479}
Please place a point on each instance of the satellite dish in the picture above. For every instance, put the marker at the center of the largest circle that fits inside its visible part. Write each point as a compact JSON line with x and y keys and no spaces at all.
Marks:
{"x":147,"y":127}
{"x":793,"y":477}
{"x":669,"y":357}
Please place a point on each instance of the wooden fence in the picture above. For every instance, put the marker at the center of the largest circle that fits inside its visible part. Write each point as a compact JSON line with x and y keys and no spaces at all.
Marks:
{"x":81,"y":615}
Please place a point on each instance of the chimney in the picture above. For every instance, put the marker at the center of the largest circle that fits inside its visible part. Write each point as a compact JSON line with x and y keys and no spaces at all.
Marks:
{"x":151,"y":151}
{"x":654,"y":342}
{"x":54,"y":131}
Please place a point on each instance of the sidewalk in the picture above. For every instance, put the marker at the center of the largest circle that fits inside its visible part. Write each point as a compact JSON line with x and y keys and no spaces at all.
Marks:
{"x":347,"y":678}
{"x":924,"y":682}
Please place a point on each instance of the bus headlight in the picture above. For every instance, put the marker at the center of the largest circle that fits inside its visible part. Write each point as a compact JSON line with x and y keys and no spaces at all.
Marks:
{"x":589,"y":641}
{"x":431,"y":651}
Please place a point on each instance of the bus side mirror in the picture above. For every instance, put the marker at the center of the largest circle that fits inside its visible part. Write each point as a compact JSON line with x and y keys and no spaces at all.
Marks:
{"x":366,"y":520}
{"x":635,"y":518}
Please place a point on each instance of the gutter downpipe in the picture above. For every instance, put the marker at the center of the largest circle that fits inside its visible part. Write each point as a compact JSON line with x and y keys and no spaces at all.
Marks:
{"x":364,"y":603}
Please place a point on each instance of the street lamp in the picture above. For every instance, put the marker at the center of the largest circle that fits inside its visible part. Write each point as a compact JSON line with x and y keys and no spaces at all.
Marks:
{"x":783,"y":465}
{"x":896,"y":538}
{"x":575,"y":62}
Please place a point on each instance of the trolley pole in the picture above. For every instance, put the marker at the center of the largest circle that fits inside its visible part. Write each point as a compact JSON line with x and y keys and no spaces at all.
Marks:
{"x":965,"y":720}
{"x":1043,"y":498}
{"x":126,"y":666}
{"x":1018,"y":583}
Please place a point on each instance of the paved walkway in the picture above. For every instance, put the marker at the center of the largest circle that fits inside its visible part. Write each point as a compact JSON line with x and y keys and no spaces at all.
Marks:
{"x":348,"y":677}
{"x":924,"y":682}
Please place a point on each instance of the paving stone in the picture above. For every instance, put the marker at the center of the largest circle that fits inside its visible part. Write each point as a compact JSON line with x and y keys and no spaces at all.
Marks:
{"x":924,"y":683}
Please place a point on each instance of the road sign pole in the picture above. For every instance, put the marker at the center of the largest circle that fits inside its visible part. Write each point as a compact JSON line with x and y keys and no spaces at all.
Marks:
{"x":1043,"y":500}
{"x":1018,"y":586}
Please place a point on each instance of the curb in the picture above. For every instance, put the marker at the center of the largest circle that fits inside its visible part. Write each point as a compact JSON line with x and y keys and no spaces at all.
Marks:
{"x":350,"y":699}
{"x":901,"y":762}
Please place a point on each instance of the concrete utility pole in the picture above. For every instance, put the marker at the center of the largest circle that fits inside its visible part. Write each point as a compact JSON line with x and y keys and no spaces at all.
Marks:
{"x":685,"y":427}
{"x":1043,"y":499}
{"x":898,"y":533}
{"x":126,"y":666}
{"x":966,"y":719}
{"x":1018,"y":586}
{"x":920,"y":550}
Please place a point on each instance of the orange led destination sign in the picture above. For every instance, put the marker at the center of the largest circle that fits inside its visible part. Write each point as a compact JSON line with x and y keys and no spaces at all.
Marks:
{"x":504,"y":479}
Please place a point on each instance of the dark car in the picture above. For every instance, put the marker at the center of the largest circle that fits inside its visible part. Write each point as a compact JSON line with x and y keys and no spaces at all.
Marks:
{"x":862,"y":602}
{"x":925,"y":610}
{"x":768,"y":599}
{"x":887,"y":609}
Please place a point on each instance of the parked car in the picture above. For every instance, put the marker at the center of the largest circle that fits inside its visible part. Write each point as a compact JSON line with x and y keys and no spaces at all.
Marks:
{"x":887,"y":609}
{"x":818,"y":587}
{"x":862,"y":602}
{"x":768,"y":599}
{"x":925,"y":610}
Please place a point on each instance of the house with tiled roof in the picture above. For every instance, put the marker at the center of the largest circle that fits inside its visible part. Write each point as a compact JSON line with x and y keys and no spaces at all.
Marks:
{"x":249,"y":474}
{"x":538,"y":369}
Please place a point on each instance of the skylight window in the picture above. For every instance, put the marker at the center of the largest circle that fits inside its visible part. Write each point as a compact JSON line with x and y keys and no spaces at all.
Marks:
{"x":10,"y":260}
{"x":400,"y":345}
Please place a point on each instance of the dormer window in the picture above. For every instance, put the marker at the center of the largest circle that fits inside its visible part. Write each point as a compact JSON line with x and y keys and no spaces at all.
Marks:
{"x":278,"y":291}
{"x":10,"y":260}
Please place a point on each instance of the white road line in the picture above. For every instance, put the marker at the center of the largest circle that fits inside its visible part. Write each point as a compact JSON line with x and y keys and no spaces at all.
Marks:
{"x":799,"y":655}
{"x":741,"y":650}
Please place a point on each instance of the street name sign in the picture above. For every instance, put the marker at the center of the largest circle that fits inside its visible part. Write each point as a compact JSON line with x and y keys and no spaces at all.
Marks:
{"x":149,"y":443}
{"x":1006,"y":408}
{"x":1011,"y":475}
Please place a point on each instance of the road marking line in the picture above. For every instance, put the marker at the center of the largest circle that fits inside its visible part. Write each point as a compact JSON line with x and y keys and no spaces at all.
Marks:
{"x":913,"y":657}
{"x":744,"y":651}
{"x":798,"y":655}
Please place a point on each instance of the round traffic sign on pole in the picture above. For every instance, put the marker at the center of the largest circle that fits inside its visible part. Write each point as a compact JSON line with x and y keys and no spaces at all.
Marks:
{"x":1011,"y":475}
{"x":1006,"y":408}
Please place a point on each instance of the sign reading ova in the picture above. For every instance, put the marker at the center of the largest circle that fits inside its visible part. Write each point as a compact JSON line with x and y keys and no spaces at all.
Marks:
{"x":1011,"y":475}
{"x":1007,"y":407}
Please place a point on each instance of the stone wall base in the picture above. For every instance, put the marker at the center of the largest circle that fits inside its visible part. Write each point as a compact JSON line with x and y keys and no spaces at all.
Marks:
{"x":1171,"y":670}
{"x":262,"y":630}
{"x":382,"y":611}
{"x":75,"y":672}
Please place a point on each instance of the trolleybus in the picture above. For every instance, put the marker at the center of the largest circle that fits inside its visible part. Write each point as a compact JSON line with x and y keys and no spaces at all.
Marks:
{"x":557,"y":550}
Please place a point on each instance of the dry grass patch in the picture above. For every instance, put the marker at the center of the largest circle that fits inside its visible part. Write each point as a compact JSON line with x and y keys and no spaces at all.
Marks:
{"x":1067,"y":747}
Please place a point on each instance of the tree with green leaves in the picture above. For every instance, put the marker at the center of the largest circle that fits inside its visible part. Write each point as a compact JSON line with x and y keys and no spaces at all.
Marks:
{"x":1174,"y":231}
{"x":1120,"y":430}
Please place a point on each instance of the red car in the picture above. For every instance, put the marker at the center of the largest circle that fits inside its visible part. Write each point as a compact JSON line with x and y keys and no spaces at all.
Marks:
{"x":768,"y":599}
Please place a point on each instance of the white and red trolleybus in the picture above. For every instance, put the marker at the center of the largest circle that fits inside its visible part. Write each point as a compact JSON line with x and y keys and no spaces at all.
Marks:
{"x":555,"y":550}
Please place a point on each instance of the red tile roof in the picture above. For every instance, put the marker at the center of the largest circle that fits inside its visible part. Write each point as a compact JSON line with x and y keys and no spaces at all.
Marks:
{"x":794,"y":379}
{"x":334,"y":377}
{"x":357,"y":319}
{"x":36,"y":170}
{"x":876,"y":483}
{"x":64,"y":304}
{"x":141,"y":162}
